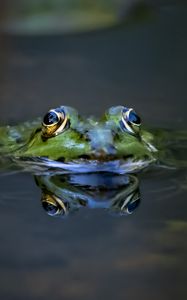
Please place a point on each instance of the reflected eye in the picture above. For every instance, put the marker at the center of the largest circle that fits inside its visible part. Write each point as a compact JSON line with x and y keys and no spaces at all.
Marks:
{"x":53,"y":205}
{"x":130,"y":121}
{"x":51,"y":209}
{"x":133,"y":205}
{"x":54,"y":123}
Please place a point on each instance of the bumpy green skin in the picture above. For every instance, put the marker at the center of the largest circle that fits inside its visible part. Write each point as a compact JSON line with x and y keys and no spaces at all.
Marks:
{"x":14,"y":137}
{"x":85,"y":139}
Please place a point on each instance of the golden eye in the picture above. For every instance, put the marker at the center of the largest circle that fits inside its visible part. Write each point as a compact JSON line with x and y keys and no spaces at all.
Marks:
{"x":130,"y":121}
{"x":54,"y":123}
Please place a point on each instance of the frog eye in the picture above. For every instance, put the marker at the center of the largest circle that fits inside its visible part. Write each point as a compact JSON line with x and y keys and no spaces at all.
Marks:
{"x":130,"y":121}
{"x":53,"y":205}
{"x":51,"y":118}
{"x":54,"y":123}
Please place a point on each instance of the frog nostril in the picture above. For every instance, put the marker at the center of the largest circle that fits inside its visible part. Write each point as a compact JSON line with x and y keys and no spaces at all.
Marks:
{"x":102,"y":142}
{"x":111,"y":149}
{"x":104,"y":150}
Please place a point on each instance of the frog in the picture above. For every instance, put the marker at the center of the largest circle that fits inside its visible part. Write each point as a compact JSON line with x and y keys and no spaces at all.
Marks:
{"x":64,"y":141}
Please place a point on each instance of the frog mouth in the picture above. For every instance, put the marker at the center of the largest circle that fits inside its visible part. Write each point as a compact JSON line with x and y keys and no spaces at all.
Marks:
{"x":101,"y":158}
{"x":43,"y":165}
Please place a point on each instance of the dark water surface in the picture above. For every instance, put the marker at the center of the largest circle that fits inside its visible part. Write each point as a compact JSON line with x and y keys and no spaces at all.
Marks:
{"x":92,"y":255}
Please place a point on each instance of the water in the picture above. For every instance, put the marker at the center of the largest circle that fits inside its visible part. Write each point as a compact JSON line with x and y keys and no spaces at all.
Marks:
{"x":91,"y":254}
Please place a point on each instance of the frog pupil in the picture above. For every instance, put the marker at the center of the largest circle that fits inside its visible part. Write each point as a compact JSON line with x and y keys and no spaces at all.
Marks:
{"x":50,"y":118}
{"x":133,"y":205}
{"x":134,"y":118}
{"x":50,"y":208}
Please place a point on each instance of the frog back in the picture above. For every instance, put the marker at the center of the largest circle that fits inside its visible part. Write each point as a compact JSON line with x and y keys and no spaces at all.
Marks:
{"x":14,"y":137}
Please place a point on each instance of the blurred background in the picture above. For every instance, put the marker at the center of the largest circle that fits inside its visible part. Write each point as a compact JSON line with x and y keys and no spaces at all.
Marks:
{"x":92,"y":55}
{"x":63,"y":16}
{"x":99,"y":53}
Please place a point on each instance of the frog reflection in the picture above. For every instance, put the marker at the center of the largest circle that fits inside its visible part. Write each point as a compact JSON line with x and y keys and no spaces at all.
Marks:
{"x":63,"y":195}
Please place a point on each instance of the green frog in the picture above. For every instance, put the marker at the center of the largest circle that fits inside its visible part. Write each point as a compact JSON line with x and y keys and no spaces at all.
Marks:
{"x":64,"y":142}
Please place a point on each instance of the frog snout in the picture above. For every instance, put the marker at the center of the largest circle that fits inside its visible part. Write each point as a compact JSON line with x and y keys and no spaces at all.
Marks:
{"x":110,"y":149}
{"x":102,"y":143}
{"x":104,"y":151}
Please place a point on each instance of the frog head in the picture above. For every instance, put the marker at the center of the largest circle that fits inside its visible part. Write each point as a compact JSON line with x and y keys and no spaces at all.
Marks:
{"x":66,"y":137}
